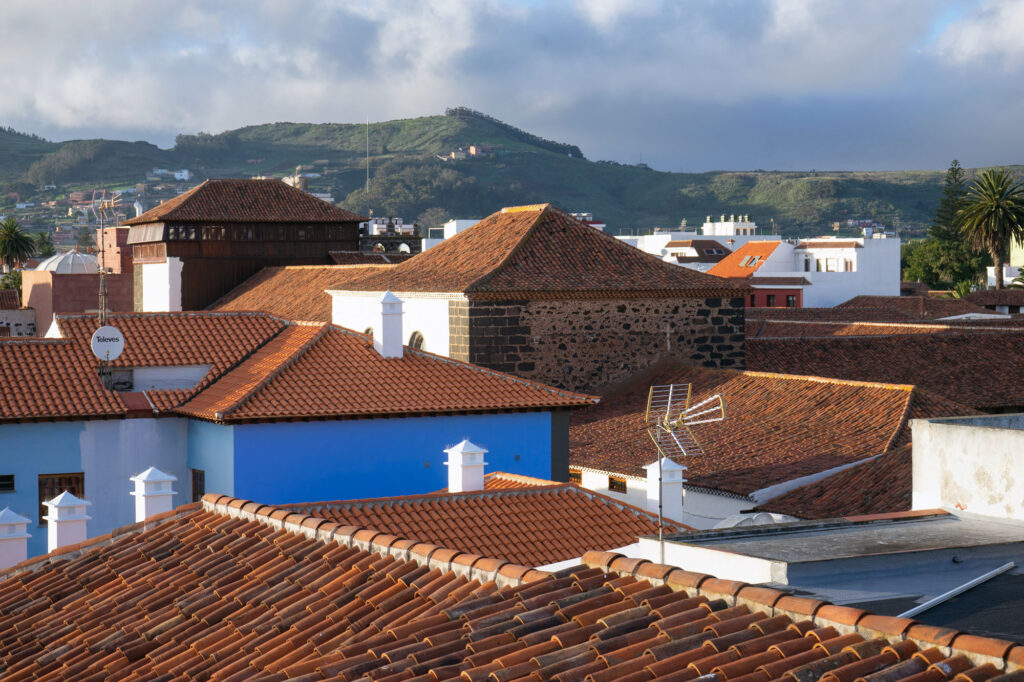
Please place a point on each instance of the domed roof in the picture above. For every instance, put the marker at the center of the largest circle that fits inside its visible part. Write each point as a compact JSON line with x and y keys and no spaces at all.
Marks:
{"x":71,"y":263}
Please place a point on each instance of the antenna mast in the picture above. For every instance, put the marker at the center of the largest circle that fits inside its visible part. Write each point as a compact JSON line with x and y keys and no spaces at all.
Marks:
{"x":369,"y":211}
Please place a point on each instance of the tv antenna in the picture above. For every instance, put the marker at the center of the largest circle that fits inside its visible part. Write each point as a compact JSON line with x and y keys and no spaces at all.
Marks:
{"x":107,"y":342}
{"x":669,"y":418}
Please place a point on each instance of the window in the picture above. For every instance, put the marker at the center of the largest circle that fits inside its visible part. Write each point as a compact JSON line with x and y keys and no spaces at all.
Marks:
{"x":752,"y":303}
{"x":576,"y":477}
{"x":7,"y":483}
{"x":807,"y":265}
{"x":416,"y":341}
{"x":848,"y":266}
{"x":198,"y":484}
{"x":790,"y":300}
{"x":616,"y":484}
{"x":52,"y":485}
{"x":771,"y":300}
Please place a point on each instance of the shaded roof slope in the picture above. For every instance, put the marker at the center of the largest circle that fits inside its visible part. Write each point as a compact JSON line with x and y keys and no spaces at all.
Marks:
{"x":738,"y":263}
{"x":768,"y":328}
{"x":979,"y":369}
{"x":245,"y":201}
{"x":540,"y":524}
{"x":323,"y":371}
{"x":9,"y":299}
{"x":883,"y":484}
{"x":237,"y":590}
{"x":51,"y":379}
{"x":297,"y":292}
{"x":537,"y":249}
{"x":777,"y":427}
{"x":916,"y":307}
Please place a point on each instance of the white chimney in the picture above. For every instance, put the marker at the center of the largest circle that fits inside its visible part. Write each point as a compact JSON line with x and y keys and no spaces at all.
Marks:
{"x":388,"y":340}
{"x":66,"y":521}
{"x":13,"y":538}
{"x":465,"y":467}
{"x":153,"y":494}
{"x":670,"y":490}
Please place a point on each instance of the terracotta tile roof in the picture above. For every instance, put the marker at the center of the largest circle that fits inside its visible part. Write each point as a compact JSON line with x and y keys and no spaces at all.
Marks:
{"x":777,"y":427}
{"x":9,"y":299}
{"x":829,"y":244}
{"x":218,"y":339}
{"x":245,"y":201}
{"x":51,"y":379}
{"x":322,"y":371}
{"x":996,"y":297}
{"x":297,"y":292}
{"x":916,"y":307}
{"x":979,"y":369}
{"x":540,"y":524}
{"x":537,"y":251}
{"x":881,"y":485}
{"x":778,"y":281}
{"x":767,"y":328}
{"x":364,"y":258}
{"x":239,"y":590}
{"x":746,"y":260}
{"x":501,"y":480}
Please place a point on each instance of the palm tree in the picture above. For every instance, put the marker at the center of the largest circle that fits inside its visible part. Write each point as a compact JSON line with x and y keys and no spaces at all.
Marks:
{"x":15,"y":245}
{"x":43,"y":245}
{"x":992,"y":215}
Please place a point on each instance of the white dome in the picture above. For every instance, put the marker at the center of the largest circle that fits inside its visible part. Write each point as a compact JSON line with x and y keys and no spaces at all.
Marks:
{"x":758,"y":519}
{"x":71,"y":263}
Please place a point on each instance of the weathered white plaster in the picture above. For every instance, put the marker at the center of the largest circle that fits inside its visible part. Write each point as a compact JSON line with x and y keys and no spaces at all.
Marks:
{"x":168,"y":378}
{"x":422,"y":312}
{"x":161,"y":285}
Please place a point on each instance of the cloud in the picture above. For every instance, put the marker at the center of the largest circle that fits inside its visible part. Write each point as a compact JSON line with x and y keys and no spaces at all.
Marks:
{"x":766,"y":83}
{"x":992,"y":32}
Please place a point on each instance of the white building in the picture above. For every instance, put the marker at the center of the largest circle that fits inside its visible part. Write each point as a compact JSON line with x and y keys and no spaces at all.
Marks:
{"x":731,"y":234}
{"x":821,"y":272}
{"x":387,"y":226}
{"x":450,"y":228}
{"x":184,"y":175}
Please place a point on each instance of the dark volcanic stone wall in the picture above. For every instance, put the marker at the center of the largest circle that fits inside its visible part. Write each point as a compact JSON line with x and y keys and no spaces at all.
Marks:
{"x":587,"y":344}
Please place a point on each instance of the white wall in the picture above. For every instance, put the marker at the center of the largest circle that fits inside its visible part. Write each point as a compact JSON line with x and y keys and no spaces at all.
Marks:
{"x":700,"y":509}
{"x":721,"y":564}
{"x":425,"y":313}
{"x":972,"y":464}
{"x":161,"y":286}
{"x":168,"y":378}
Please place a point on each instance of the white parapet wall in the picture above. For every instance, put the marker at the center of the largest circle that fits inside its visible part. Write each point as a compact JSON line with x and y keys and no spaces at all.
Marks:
{"x":971,"y":464}
{"x":425,"y":313}
{"x":161,"y":286}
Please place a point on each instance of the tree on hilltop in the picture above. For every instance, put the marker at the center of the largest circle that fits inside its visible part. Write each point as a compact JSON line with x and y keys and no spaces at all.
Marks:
{"x":15,"y":245}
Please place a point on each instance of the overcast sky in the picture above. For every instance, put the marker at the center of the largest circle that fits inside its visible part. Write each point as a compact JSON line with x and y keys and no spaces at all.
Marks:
{"x":682,"y":84}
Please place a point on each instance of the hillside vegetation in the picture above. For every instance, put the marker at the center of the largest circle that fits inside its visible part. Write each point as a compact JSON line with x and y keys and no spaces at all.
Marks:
{"x":409,"y":178}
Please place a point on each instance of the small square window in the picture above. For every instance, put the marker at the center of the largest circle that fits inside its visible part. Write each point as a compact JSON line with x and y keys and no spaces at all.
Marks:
{"x":616,"y":484}
{"x":771,"y":300}
{"x":576,"y":477}
{"x":7,"y":483}
{"x":52,"y":485}
{"x":790,"y":300}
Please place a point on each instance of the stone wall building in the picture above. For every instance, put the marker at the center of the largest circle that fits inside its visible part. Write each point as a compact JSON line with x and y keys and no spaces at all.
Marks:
{"x":532,"y":291}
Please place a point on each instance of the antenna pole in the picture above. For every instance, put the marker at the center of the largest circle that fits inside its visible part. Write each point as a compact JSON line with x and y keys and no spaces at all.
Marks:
{"x":369,"y":210}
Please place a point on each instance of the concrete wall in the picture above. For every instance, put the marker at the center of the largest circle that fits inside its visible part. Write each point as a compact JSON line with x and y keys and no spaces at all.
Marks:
{"x":377,"y":457}
{"x":108,"y":452}
{"x":168,"y":378}
{"x":974,"y":464}
{"x":50,"y":293}
{"x":20,"y":322}
{"x":211,"y":448}
{"x":425,"y":313}
{"x":161,"y":285}
{"x":587,"y":344}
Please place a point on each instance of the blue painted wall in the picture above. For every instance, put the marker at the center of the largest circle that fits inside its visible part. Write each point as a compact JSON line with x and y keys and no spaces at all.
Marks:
{"x":211,"y":447}
{"x":284,"y":462}
{"x":27,"y":450}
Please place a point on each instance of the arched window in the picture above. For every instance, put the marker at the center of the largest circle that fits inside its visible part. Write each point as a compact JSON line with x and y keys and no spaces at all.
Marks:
{"x":416,"y":341}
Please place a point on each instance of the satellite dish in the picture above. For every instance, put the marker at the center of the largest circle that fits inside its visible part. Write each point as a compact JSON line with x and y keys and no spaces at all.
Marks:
{"x":107,"y":343}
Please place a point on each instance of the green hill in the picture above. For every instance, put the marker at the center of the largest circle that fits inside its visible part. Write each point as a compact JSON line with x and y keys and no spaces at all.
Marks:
{"x":409,"y":178}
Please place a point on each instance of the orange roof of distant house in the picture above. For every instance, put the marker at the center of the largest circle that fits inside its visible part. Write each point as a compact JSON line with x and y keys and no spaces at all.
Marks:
{"x":9,"y":299}
{"x":540,"y":524}
{"x":537,"y":251}
{"x":778,"y":427}
{"x":245,"y":201}
{"x":877,"y":486}
{"x":746,"y":260}
{"x":297,"y":292}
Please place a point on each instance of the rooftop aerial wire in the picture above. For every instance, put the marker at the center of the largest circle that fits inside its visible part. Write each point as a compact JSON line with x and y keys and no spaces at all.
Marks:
{"x":369,"y":211}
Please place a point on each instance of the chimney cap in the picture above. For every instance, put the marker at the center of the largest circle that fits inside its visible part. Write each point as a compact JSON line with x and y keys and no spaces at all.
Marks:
{"x":9,"y":517}
{"x":153,"y":475}
{"x":667,"y":464}
{"x":388,"y":297}
{"x":466,"y":448}
{"x":65,"y":500}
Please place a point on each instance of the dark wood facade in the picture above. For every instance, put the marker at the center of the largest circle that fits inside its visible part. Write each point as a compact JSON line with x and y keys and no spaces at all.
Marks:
{"x":217,"y":257}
